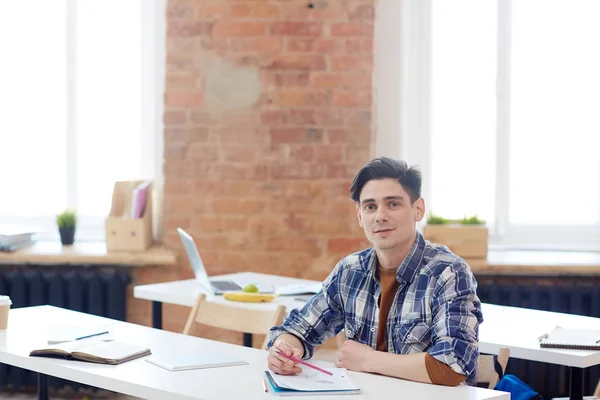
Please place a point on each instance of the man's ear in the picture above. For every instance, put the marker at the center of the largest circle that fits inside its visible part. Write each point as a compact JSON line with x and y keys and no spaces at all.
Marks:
{"x":419,"y":207}
{"x":358,"y":215}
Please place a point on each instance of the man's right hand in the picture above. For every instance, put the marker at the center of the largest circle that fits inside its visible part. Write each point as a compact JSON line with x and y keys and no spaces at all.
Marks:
{"x":290,"y":345}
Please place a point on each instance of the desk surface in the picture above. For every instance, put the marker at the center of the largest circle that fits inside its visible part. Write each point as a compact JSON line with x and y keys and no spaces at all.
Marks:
{"x":26,"y":330}
{"x":519,"y":329}
{"x":512,"y":327}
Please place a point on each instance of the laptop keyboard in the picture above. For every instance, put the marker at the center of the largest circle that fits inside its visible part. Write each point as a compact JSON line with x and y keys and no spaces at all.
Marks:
{"x":225,"y":285}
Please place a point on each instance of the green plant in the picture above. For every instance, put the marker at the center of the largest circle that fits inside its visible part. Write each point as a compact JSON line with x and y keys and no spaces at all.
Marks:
{"x":436,"y":219}
{"x":66,"y":219}
{"x":471,"y":221}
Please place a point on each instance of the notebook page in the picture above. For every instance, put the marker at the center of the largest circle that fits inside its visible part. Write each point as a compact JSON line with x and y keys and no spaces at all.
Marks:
{"x":311,"y":380}
{"x":113,"y":350}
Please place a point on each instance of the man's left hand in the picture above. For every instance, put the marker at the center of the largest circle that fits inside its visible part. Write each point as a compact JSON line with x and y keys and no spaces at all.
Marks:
{"x":355,"y":356}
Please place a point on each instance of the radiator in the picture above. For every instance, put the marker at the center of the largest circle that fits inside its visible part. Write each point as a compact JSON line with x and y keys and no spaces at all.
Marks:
{"x":98,"y":290}
{"x":571,"y":295}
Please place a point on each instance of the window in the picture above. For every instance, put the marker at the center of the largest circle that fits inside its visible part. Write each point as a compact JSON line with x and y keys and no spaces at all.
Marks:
{"x":503,"y":97}
{"x":81,"y":101}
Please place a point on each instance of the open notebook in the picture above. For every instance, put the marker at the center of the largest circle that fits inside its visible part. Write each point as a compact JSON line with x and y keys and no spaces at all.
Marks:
{"x":310,"y":383}
{"x":96,"y":351}
{"x":581,"y":339}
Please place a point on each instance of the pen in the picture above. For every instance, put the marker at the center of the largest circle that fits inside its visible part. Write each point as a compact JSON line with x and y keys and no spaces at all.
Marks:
{"x":92,"y":335}
{"x":264,"y":385}
{"x":304,"y":363}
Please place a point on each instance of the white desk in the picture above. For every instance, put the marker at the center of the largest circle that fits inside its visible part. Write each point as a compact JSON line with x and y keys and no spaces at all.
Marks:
{"x":185,"y":293}
{"x":519,"y":329}
{"x":515,"y":328}
{"x":26,"y":330}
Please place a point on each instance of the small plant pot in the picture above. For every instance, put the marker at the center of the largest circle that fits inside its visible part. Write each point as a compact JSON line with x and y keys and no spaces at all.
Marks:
{"x":67,"y":235}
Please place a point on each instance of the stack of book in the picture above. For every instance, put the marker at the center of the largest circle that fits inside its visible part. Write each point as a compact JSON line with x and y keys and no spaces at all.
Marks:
{"x":15,"y":237}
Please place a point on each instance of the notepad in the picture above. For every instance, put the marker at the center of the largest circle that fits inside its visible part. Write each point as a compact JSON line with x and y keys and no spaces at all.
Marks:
{"x":310,"y":383}
{"x":181,"y":362}
{"x":93,"y":350}
{"x":581,"y":339}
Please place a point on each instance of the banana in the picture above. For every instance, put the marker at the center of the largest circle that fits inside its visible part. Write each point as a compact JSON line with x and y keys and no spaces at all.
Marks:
{"x":248,"y":297}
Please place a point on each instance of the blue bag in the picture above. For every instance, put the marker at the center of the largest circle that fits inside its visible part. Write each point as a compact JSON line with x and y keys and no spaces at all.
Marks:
{"x":518,"y":389}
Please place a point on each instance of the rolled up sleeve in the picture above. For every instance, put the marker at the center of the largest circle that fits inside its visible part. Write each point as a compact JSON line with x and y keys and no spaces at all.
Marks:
{"x":319,"y":319}
{"x":456,"y":317}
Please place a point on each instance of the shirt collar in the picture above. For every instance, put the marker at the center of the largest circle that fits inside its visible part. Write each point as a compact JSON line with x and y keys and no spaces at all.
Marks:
{"x":412,"y":263}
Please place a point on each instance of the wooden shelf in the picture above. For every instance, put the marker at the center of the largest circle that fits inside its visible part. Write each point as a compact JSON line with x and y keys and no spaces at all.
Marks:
{"x":88,"y":253}
{"x":521,"y":262}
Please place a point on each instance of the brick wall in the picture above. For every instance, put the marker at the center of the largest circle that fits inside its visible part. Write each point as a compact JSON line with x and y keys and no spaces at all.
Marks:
{"x":268,"y":113}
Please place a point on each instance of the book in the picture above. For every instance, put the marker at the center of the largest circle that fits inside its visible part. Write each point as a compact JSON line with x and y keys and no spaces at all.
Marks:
{"x":139,"y":198}
{"x":66,"y":333}
{"x":310,"y":383}
{"x":181,"y":362}
{"x":298,"y":289}
{"x":94,"y":350}
{"x":581,"y":339}
{"x":11,"y":247}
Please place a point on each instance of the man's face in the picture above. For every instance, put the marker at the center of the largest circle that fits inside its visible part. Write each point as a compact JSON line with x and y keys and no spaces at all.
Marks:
{"x":386,"y":214}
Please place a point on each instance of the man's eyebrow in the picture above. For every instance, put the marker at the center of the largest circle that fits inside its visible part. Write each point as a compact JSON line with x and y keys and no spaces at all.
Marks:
{"x":385,"y":198}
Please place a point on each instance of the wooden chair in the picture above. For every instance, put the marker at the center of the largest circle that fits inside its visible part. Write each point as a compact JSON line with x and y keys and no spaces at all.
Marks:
{"x":485,"y":367}
{"x":238,"y":319}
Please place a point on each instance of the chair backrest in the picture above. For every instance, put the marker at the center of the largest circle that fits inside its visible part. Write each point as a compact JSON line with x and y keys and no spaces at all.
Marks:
{"x":234,"y":318}
{"x":486,"y":373}
{"x":597,"y":391}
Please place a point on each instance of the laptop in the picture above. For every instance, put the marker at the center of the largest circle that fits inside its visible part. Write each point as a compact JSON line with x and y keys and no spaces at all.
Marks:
{"x":213,"y":287}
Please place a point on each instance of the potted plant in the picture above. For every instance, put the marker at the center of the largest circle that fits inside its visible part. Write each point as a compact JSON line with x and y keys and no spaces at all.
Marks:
{"x":466,"y":237}
{"x":67,"y":222}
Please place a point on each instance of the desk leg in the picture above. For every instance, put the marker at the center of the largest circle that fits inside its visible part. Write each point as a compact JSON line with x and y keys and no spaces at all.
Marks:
{"x":157,"y":314}
{"x":248,"y":339}
{"x":42,"y":386}
{"x":576,"y":383}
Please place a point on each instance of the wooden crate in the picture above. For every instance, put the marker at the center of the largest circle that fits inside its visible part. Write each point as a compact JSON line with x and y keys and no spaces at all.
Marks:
{"x":466,"y":241}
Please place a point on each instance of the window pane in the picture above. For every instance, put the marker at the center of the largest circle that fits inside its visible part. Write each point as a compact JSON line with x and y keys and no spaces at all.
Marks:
{"x":33,"y":104}
{"x":555,"y":103}
{"x":109,"y":46}
{"x":463,"y":119}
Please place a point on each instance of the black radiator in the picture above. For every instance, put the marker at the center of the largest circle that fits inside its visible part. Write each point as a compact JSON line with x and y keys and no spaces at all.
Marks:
{"x":98,"y":290}
{"x":571,"y":295}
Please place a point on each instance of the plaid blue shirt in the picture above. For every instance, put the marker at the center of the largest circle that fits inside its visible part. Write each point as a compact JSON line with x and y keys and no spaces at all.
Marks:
{"x":436,"y":308}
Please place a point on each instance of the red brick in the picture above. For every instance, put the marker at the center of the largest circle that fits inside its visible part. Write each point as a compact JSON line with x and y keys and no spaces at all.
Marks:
{"x":263,"y":10}
{"x":202,"y":151}
{"x":313,"y":45}
{"x":298,"y":62}
{"x":177,"y":27}
{"x":363,"y":12}
{"x":351,"y":99}
{"x":349,"y":136}
{"x":329,"y":117}
{"x":176,"y":11}
{"x":209,"y":11}
{"x":250,"y":172}
{"x":357,"y":80}
{"x":359,"y":46}
{"x":198,"y":134}
{"x":226,"y":28}
{"x":183,"y":99}
{"x":354,"y":118}
{"x":295,"y":135}
{"x":238,"y":154}
{"x":257,"y":44}
{"x":208,"y":224}
{"x":290,"y":28}
{"x":290,"y":243}
{"x":340,"y":171}
{"x":325,"y":80}
{"x":176,"y":186}
{"x":174,"y":117}
{"x":351,"y":29}
{"x":237,"y":206}
{"x":351,"y":63}
{"x":179,"y":205}
{"x":302,"y":154}
{"x":241,"y":10}
{"x":329,"y":153}
{"x":175,"y":150}
{"x":235,"y":224}
{"x":261,"y":225}
{"x":291,"y":98}
{"x":183,"y":80}
{"x":298,"y":171}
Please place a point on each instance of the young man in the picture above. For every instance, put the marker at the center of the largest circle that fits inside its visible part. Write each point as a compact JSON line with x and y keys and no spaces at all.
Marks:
{"x":408,"y":307}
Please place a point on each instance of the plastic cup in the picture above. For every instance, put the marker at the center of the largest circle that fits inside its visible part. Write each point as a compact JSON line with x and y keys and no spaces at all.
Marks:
{"x":5,"y":303}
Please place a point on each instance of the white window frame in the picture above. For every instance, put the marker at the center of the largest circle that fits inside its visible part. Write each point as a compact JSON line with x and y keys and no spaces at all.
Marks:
{"x":403,"y":100}
{"x":152,"y":107}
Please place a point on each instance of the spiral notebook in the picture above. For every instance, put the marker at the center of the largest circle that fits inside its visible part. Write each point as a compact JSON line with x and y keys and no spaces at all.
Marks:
{"x":581,"y":339}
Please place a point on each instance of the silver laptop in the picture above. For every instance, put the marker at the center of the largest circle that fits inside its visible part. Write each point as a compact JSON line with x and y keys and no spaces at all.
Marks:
{"x":213,"y":287}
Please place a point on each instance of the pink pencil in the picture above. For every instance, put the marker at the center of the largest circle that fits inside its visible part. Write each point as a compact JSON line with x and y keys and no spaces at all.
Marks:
{"x":303,"y":363}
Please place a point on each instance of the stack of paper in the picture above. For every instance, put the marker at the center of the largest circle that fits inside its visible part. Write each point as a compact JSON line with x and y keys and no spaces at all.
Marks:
{"x":310,"y":382}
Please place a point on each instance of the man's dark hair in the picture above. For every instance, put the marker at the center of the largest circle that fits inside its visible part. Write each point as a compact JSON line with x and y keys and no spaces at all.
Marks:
{"x":384,"y":167}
